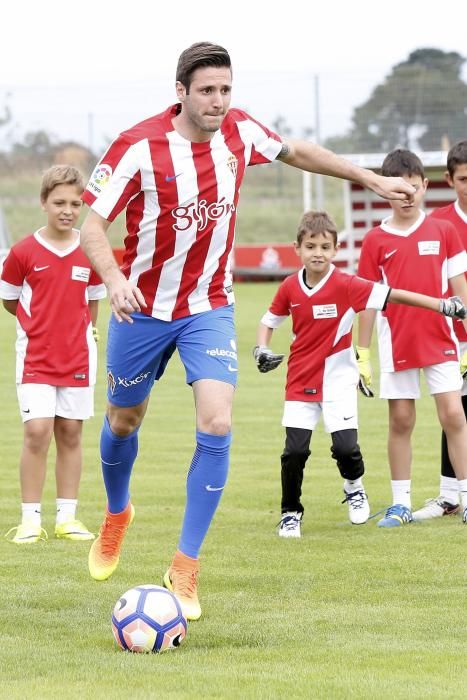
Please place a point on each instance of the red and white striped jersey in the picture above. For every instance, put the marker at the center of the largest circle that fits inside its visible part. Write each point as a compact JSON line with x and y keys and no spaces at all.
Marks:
{"x":421,"y":259}
{"x":54,"y":332}
{"x":322,"y":364}
{"x":456,"y":216}
{"x":181,"y":202}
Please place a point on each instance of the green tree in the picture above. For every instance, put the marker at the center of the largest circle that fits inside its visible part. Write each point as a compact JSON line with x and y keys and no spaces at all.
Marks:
{"x":420,"y":104}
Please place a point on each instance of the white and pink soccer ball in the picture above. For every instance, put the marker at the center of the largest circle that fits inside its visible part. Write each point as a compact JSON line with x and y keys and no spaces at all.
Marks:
{"x":148,"y":618}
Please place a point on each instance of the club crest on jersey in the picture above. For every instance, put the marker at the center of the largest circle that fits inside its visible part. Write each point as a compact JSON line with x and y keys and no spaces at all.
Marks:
{"x":325,"y":311}
{"x":100,"y":178}
{"x":232,"y":164}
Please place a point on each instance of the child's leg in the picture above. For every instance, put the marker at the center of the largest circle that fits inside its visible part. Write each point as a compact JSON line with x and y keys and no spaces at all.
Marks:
{"x":33,"y":464}
{"x":293,"y":459}
{"x":346,"y":451}
{"x":452,"y":418}
{"x":69,"y":456}
{"x":402,"y":416}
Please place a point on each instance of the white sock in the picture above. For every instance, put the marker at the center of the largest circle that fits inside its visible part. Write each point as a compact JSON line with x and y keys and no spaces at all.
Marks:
{"x":449,"y":489}
{"x":401,"y":492}
{"x":351,"y":486}
{"x":463,"y":493}
{"x":31,"y":512}
{"x":66,"y":510}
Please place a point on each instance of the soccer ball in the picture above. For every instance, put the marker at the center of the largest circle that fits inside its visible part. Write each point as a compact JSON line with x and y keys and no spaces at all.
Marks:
{"x":148,"y":618}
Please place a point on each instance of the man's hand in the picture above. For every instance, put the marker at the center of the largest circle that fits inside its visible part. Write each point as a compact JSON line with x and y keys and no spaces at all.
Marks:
{"x":391,"y":187}
{"x":124,"y":296}
{"x":266,"y":360}
{"x":453,"y":307}
{"x":364,"y":369}
{"x":464,"y":365}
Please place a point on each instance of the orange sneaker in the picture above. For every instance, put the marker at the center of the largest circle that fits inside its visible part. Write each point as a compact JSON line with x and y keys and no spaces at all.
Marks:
{"x":105,"y":551}
{"x":182,"y":579}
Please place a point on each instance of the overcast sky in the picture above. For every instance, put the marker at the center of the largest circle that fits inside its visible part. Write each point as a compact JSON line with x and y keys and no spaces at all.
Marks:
{"x":87,"y":73}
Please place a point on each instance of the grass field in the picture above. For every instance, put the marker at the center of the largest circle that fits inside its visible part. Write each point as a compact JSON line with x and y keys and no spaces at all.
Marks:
{"x":345,"y":612}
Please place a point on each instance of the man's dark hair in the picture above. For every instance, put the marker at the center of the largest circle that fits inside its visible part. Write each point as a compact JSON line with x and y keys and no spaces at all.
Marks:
{"x":457,"y":156}
{"x":402,"y":162}
{"x":200,"y":55}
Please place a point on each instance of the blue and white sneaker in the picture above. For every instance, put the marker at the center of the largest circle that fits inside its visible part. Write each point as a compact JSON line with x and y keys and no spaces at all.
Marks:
{"x":396,"y":516}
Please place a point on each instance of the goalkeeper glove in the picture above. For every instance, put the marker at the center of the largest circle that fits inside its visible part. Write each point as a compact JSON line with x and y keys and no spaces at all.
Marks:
{"x":464,"y":365}
{"x":364,"y":369}
{"x":266,"y":359}
{"x":453,"y":307}
{"x":95,"y":334}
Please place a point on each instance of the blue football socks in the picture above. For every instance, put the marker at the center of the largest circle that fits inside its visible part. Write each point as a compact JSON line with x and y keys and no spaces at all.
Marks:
{"x":118,"y":455}
{"x":205,"y":483}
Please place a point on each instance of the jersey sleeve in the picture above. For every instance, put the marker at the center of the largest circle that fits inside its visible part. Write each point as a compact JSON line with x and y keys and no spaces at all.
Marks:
{"x":116,"y":178}
{"x":265,"y":144}
{"x":367,"y":295}
{"x":12,"y":277}
{"x":279,"y":309}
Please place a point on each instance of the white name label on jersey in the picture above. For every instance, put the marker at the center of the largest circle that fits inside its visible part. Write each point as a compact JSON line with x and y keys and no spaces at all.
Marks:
{"x":428,"y":247}
{"x":81,"y":274}
{"x":325,"y":311}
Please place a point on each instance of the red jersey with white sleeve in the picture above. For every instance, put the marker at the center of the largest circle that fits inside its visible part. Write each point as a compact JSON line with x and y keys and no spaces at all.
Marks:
{"x":181,"y":204}
{"x":54,"y":331}
{"x":322,"y":364}
{"x":421,"y":259}
{"x":458,"y":218}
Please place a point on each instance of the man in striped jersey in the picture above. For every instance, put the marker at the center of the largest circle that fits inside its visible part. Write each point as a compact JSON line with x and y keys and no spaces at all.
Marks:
{"x":178,"y":175}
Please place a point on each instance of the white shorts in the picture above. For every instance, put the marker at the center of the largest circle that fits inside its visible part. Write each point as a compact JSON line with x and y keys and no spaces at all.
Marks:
{"x":46,"y":401}
{"x":337,"y":415}
{"x":406,"y":384}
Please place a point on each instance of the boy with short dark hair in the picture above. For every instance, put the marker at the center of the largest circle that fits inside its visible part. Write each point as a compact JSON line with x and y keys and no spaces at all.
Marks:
{"x":322,"y":374}
{"x":421,"y":254}
{"x":447,"y":503}
{"x":47,"y":283}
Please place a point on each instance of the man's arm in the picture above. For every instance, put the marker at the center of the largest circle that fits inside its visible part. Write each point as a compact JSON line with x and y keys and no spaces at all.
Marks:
{"x":124,"y":296}
{"x":313,"y":158}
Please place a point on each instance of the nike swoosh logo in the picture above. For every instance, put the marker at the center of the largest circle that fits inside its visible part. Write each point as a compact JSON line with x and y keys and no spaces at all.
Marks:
{"x":28,"y":410}
{"x":213,"y":488}
{"x":232,"y":369}
{"x":169,"y":178}
{"x":292,"y":305}
{"x":110,"y":464}
{"x":38,"y":269}
{"x":347,"y":417}
{"x":388,"y":255}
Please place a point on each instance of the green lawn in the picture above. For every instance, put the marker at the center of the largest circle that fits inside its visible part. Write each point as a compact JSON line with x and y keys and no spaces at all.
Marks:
{"x":345,"y":612}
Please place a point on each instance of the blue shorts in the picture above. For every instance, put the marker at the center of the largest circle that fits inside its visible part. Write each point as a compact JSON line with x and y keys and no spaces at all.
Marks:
{"x":138,"y":352}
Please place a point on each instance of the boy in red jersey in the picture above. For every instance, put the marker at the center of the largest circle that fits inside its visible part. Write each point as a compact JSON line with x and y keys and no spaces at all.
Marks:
{"x":421,"y":254}
{"x":322,"y":373}
{"x":447,"y":503}
{"x":48,"y":284}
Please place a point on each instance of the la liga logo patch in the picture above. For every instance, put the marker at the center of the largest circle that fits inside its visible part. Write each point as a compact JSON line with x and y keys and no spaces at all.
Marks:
{"x":100,"y":178}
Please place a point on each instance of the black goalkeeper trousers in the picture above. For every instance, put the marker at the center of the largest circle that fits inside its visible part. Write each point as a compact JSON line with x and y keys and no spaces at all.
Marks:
{"x":345,"y":450}
{"x":446,"y":466}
